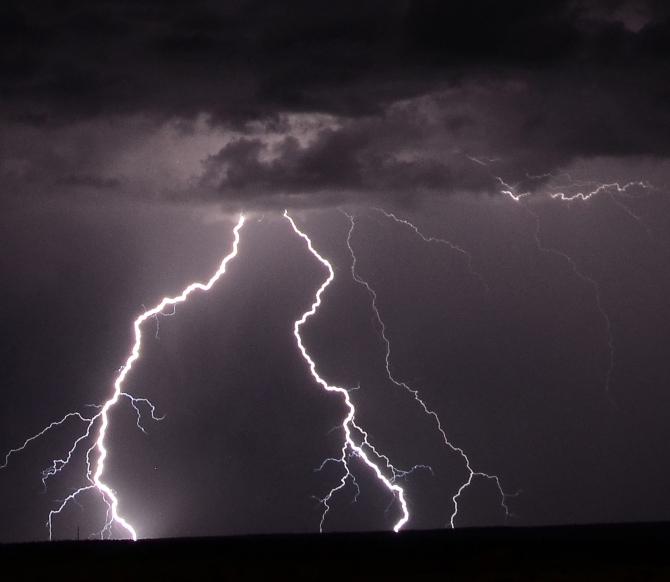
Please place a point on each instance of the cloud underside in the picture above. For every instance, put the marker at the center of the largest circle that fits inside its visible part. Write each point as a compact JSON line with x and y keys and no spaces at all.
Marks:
{"x":259,"y":106}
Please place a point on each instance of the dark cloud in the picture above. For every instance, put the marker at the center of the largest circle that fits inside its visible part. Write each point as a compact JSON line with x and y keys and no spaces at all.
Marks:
{"x":249,"y":59}
{"x":457,"y":140}
{"x":399,"y":154}
{"x":533,"y":84}
{"x":90,"y":181}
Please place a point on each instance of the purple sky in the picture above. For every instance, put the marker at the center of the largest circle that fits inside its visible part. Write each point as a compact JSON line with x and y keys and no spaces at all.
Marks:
{"x":132,"y":133}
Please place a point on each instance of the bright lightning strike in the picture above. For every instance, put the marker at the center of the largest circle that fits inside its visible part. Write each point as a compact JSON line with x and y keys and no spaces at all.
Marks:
{"x":472,"y":474}
{"x":348,"y":424}
{"x":94,"y":475}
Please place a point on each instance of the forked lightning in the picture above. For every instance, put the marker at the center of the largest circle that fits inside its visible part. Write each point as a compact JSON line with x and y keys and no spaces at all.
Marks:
{"x":349,"y":426}
{"x":94,"y":474}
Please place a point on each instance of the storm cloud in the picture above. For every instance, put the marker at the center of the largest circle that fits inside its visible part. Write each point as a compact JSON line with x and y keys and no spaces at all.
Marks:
{"x":318,"y":104}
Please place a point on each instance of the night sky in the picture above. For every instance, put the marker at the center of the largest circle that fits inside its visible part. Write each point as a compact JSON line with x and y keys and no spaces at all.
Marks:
{"x":132,"y":134}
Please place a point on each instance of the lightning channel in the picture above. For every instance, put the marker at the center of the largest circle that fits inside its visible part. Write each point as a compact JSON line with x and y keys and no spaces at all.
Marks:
{"x":95,"y":470}
{"x":584,"y":191}
{"x":581,"y":275}
{"x":590,"y":281}
{"x":432,"y":239}
{"x":612,"y":187}
{"x":615,"y":192}
{"x":381,"y":326}
{"x":349,"y":426}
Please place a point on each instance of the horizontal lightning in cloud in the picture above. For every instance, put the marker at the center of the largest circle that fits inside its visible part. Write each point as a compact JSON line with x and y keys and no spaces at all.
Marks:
{"x":600,"y":188}
{"x":590,"y":281}
{"x":586,"y":190}
{"x":614,"y":191}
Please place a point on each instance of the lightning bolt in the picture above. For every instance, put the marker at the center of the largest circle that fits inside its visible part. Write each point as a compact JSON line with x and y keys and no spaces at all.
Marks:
{"x":615,"y":191}
{"x":349,"y":426}
{"x":590,"y":281}
{"x":472,"y":473}
{"x":612,"y":189}
{"x":511,"y":190}
{"x":609,"y":188}
{"x":482,"y":160}
{"x":432,"y":239}
{"x":94,"y":473}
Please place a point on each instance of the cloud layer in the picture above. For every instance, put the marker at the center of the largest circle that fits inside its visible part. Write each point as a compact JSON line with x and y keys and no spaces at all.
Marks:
{"x":322,"y":103}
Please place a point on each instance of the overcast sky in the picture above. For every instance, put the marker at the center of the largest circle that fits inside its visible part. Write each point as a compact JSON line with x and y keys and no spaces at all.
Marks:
{"x":131,"y":135}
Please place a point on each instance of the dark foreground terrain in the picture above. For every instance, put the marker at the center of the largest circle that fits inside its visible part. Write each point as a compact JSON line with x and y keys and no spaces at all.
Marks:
{"x":614,"y":552}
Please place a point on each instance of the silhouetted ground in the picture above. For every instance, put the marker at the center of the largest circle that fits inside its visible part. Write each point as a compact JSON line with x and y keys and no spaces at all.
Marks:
{"x":613,"y":552}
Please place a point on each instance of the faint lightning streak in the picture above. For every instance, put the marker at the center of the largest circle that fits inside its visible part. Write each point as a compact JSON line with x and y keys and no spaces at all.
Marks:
{"x":415,"y":393}
{"x":589,"y":281}
{"x":41,"y":433}
{"x":152,"y":409}
{"x":583,"y":277}
{"x":58,"y":464}
{"x":94,"y":476}
{"x":613,"y":189}
{"x":432,"y":239}
{"x":636,"y":217}
{"x":348,"y":421}
{"x":483,"y":160}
